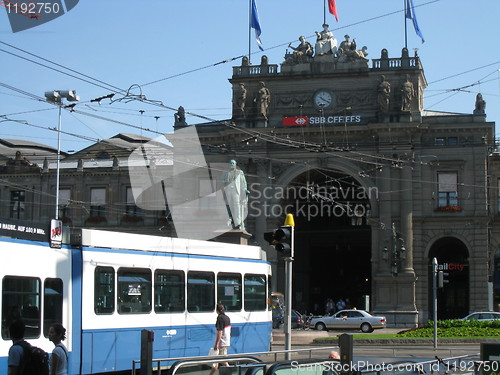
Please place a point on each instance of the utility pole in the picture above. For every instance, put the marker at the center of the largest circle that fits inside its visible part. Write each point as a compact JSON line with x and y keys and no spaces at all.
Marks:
{"x":283,"y":240}
{"x":289,"y":222}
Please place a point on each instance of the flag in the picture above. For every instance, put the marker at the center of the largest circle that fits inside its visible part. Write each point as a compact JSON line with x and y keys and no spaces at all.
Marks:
{"x":332,"y":8}
{"x":255,"y":24}
{"x":410,"y":13}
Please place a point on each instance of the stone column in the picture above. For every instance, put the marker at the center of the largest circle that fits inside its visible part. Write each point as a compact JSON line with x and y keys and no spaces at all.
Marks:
{"x":407,"y":218}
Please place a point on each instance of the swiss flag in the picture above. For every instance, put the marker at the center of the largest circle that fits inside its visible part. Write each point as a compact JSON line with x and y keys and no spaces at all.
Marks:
{"x":332,"y":8}
{"x":295,"y":121}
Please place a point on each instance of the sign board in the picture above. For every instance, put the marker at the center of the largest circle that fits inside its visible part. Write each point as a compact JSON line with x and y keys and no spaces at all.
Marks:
{"x":56,"y":230}
{"x":26,"y":230}
{"x":322,"y":120}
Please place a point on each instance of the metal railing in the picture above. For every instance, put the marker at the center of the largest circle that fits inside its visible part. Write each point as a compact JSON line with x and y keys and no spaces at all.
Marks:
{"x":162,"y":364}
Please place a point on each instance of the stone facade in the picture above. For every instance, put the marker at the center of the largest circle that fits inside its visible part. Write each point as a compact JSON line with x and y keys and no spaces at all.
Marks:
{"x":401,"y":152}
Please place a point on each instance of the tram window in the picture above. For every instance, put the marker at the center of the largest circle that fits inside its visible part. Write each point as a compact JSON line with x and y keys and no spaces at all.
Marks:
{"x":201,"y":291}
{"x":169,"y":291}
{"x":134,"y":290}
{"x":229,"y":291}
{"x":21,"y":300}
{"x":52,"y":303}
{"x":255,"y":292}
{"x":104,"y":290}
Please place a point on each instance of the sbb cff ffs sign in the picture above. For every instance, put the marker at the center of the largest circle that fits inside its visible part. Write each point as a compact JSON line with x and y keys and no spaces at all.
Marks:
{"x":320,"y":120}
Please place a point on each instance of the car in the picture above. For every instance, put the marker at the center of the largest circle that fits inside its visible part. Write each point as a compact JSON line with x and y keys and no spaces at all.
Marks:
{"x":279,"y":318}
{"x":349,"y":319}
{"x":483,"y":316}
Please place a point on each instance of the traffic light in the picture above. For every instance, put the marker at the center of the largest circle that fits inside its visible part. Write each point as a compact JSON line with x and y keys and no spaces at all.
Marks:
{"x":441,"y":279}
{"x":281,"y":239}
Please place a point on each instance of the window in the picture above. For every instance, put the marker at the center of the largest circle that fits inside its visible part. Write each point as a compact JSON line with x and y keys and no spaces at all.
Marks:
{"x":64,"y":198}
{"x":98,"y":202}
{"x":447,"y":194}
{"x":201,"y":291}
{"x":229,"y":291}
{"x":169,"y":291}
{"x":21,"y":300}
{"x":104,"y":290}
{"x":17,"y":198}
{"x":255,"y":292}
{"x":134,"y":290}
{"x":52,"y":303}
{"x":131,"y":208}
{"x":446,"y":141}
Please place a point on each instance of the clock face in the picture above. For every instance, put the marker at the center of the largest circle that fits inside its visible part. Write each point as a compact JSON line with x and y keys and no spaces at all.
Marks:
{"x":323,"y":99}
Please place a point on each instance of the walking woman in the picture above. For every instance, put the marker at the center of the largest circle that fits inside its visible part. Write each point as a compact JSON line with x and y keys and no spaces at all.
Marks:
{"x":59,"y":358}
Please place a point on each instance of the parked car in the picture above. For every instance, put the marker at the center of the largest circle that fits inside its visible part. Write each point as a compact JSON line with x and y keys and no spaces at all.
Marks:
{"x":279,"y":318}
{"x":349,"y":319}
{"x":483,"y":316}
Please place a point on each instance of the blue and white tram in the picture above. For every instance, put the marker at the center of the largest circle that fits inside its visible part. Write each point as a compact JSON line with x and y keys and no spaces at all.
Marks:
{"x":112,"y":285}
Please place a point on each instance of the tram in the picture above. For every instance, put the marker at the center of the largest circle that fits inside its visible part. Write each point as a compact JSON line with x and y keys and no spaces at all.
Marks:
{"x":106,"y":287}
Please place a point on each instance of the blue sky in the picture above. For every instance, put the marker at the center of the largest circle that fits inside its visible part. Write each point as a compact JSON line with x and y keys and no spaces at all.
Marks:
{"x":129,"y":44}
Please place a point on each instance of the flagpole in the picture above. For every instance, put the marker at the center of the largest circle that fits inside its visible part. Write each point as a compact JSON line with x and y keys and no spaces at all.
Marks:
{"x":249,"y":30}
{"x":324,"y":12}
{"x":406,"y":29}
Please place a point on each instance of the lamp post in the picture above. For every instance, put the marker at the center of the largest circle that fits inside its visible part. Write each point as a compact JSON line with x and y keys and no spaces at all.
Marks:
{"x":397,"y":254}
{"x":56,"y":97}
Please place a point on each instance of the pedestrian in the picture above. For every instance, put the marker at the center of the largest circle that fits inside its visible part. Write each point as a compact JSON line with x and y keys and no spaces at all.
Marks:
{"x":59,"y":358}
{"x":16,"y":351}
{"x":223,"y":336}
{"x":340,"y":304}
{"x":334,"y":355}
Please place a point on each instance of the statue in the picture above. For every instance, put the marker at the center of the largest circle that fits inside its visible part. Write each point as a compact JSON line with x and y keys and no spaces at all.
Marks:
{"x":347,"y":51}
{"x":480,"y":104}
{"x":180,"y":116}
{"x":241,"y":98}
{"x":245,"y":61}
{"x":263,"y":98}
{"x":326,"y":43}
{"x":236,"y":195}
{"x":302,"y":52}
{"x":264,"y":60}
{"x":407,"y":94}
{"x":383,"y":96}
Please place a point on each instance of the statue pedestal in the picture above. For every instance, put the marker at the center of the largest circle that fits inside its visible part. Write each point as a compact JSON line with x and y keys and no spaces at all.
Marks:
{"x":235,"y":236}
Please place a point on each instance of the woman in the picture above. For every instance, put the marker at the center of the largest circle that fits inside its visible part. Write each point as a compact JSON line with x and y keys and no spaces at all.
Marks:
{"x":59,"y":358}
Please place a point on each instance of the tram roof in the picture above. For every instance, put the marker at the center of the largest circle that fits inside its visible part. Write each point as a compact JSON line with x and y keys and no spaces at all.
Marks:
{"x":160,"y":244}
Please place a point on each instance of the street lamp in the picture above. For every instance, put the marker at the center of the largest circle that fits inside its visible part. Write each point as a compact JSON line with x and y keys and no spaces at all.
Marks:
{"x":397,"y":254}
{"x":56,"y":97}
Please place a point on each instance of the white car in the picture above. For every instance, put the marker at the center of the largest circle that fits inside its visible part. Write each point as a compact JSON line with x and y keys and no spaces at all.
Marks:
{"x":349,"y":319}
{"x":483,"y":316}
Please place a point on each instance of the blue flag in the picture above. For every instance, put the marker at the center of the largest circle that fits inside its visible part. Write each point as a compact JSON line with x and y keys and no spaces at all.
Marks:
{"x":255,"y":24}
{"x":410,"y":13}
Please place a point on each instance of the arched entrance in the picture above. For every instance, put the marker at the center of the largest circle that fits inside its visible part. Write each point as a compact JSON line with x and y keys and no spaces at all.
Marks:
{"x":332,"y":239}
{"x":453,"y":259}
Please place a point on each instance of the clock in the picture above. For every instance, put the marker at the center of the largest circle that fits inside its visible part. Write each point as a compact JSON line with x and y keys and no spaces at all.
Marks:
{"x":323,"y":99}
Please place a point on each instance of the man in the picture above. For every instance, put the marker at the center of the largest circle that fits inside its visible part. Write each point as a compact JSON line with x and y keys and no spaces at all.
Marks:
{"x":223,"y":336}
{"x":16,"y":352}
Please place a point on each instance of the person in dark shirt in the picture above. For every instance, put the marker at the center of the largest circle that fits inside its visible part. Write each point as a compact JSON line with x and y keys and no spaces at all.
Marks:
{"x":16,"y":351}
{"x":223,"y":336}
